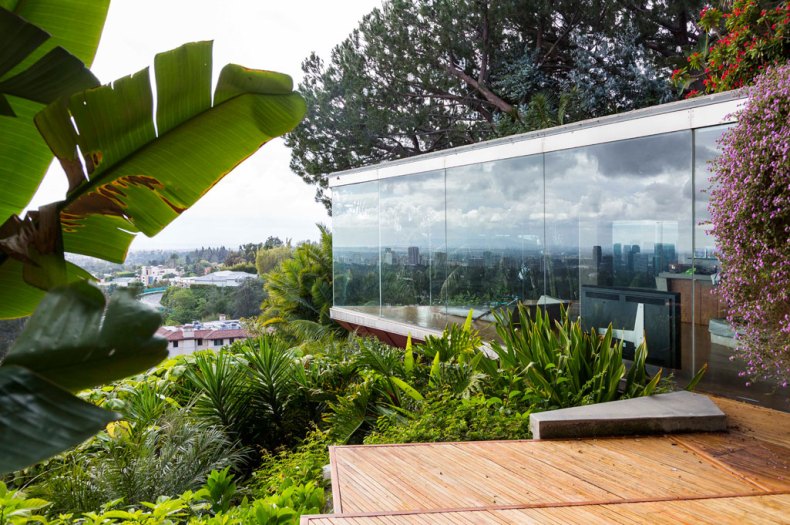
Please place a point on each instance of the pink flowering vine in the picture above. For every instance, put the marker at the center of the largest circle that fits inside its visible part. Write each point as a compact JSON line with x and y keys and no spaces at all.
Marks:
{"x":750,"y":214}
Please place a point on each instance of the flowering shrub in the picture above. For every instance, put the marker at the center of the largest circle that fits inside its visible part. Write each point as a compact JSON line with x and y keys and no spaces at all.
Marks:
{"x":750,"y":212}
{"x":747,"y":40}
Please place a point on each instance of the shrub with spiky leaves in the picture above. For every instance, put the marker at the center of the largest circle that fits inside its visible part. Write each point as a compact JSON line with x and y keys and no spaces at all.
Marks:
{"x":750,"y":213}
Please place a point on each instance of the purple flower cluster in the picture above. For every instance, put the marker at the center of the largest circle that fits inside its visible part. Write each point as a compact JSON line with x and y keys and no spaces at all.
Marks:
{"x":750,"y":213}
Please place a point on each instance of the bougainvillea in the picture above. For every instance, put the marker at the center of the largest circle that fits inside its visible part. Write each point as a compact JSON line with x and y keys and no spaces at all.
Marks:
{"x":750,"y":213}
{"x":738,"y":45}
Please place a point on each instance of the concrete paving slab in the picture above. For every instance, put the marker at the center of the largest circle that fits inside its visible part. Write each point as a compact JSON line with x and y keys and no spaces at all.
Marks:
{"x":659,"y":414}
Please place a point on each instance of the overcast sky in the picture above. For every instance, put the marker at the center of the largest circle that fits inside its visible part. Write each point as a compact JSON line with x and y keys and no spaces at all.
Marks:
{"x":262,"y":197}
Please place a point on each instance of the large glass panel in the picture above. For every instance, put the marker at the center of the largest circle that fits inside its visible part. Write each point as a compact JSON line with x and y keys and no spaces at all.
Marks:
{"x":714,"y":338}
{"x":355,"y":250}
{"x":619,"y":239}
{"x":494,"y":237}
{"x":413,"y":249}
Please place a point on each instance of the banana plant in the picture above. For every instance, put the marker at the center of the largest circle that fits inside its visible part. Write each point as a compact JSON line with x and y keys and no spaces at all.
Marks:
{"x":135,"y":158}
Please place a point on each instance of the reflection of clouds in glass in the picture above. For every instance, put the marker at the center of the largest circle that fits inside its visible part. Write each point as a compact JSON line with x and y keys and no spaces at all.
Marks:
{"x":583,"y":189}
{"x":644,"y":156}
{"x":355,"y":215}
{"x":412,"y":210}
{"x":491,"y":205}
{"x":647,"y":179}
{"x":706,"y":149}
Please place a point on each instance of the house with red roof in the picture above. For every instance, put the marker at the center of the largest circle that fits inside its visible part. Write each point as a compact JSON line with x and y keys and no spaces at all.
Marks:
{"x":191,"y":337}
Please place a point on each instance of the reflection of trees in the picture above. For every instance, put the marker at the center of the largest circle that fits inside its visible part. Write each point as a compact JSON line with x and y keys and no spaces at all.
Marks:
{"x":498,"y":281}
{"x":402,"y":284}
{"x":356,"y":284}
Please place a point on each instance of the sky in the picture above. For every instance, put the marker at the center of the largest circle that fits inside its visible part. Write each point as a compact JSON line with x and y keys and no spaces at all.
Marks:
{"x":261,"y":197}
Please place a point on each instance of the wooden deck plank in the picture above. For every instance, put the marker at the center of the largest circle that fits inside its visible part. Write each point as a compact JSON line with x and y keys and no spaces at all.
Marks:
{"x":483,"y":474}
{"x":765,"y":463}
{"x":752,"y":458}
{"x":748,"y":420}
{"x":764,"y":509}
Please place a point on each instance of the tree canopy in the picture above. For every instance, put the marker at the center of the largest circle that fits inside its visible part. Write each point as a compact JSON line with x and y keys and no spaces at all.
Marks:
{"x":418,"y":76}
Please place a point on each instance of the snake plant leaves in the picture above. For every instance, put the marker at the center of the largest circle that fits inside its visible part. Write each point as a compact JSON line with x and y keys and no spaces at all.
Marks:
{"x":143,"y":168}
{"x":44,"y":46}
{"x":72,"y":341}
{"x":39,"y":419}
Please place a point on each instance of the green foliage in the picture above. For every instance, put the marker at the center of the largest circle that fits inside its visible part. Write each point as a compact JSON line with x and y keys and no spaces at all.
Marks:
{"x":267,"y":259}
{"x":299,"y":290}
{"x":15,"y":507}
{"x":191,"y":507}
{"x":298,"y":466}
{"x":252,"y":390}
{"x":562,"y":365}
{"x":220,"y":383}
{"x":741,"y":41}
{"x":139,"y":463}
{"x":220,"y":490}
{"x":75,"y":342}
{"x":287,"y":506}
{"x":445,"y":417}
{"x":31,"y":403}
{"x":65,"y":40}
{"x":184,"y":305}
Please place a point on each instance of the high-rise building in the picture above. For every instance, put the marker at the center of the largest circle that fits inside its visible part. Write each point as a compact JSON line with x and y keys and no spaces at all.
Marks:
{"x":414,"y":255}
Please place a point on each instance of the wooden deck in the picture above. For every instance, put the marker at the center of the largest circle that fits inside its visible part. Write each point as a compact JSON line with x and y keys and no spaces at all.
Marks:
{"x":741,"y":476}
{"x":713,"y":511}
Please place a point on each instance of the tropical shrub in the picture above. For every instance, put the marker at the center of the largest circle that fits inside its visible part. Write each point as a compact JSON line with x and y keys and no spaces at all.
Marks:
{"x":301,"y":465}
{"x":191,"y":507}
{"x":564,"y":366}
{"x":739,"y":44}
{"x":446,"y":417}
{"x":750,"y":214}
{"x":174,"y":454}
{"x":252,"y":390}
{"x":299,"y":290}
{"x":16,"y":507}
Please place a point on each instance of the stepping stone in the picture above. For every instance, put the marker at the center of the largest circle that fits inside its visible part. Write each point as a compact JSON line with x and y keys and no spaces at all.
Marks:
{"x":659,"y":414}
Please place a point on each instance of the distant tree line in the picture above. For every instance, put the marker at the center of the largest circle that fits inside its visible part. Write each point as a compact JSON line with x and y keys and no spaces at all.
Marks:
{"x":201,"y":303}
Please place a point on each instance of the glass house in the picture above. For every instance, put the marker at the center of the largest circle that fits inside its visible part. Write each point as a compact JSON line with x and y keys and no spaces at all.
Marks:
{"x":606,"y":217}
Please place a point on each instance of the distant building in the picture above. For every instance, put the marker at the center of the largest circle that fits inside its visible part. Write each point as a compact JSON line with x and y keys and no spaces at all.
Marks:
{"x":414,"y":255}
{"x":223,"y":278}
{"x":153,"y":274}
{"x":119,"y":282}
{"x":195,"y":336}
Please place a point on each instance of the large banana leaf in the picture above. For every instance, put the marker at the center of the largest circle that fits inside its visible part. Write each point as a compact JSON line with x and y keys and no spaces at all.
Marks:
{"x":43,"y":46}
{"x":142,"y":170}
{"x":39,"y":419}
{"x":72,"y":341}
{"x":131,"y":170}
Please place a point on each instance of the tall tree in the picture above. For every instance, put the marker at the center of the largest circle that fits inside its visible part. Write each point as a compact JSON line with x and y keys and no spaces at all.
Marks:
{"x":419,"y":76}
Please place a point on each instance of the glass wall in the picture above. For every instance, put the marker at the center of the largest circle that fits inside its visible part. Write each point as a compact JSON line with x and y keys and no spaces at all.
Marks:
{"x":615,"y":232}
{"x":494,"y":236}
{"x":619,"y":224}
{"x":355,"y":247}
{"x":413,"y":249}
